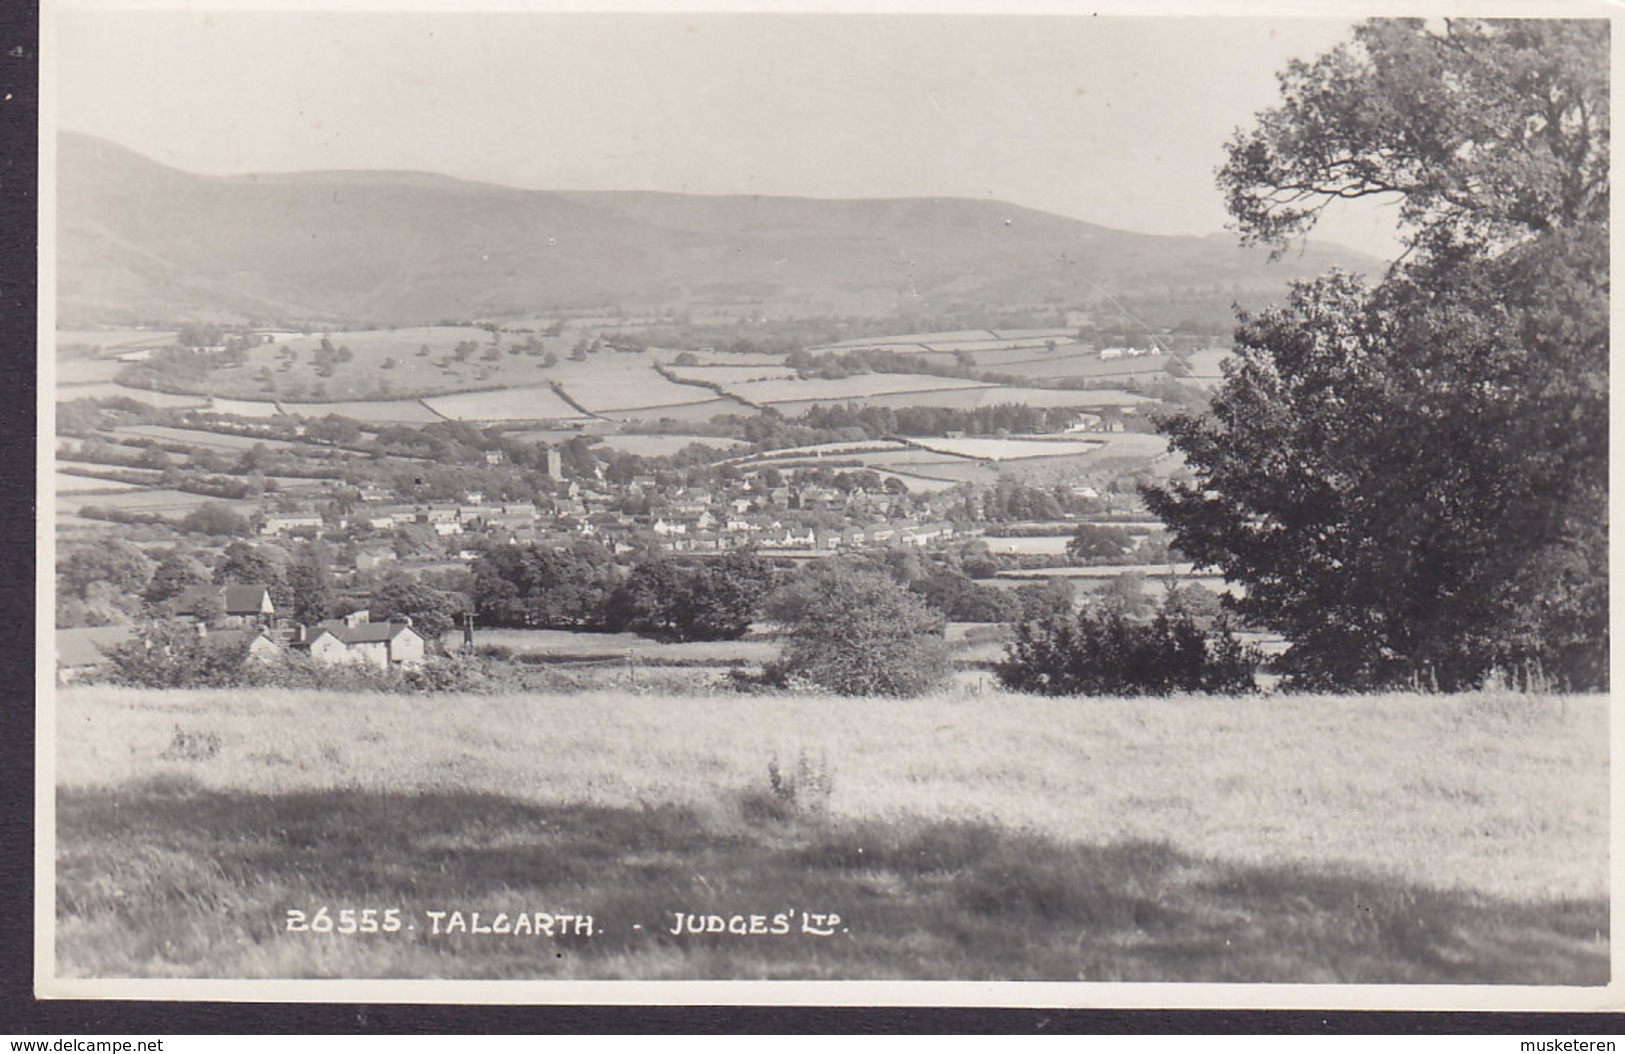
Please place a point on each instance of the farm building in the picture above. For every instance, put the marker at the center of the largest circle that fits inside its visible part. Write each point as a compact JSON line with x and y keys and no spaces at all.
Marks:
{"x":282,"y":524}
{"x":81,"y":651}
{"x":238,"y":603}
{"x":261,"y":647}
{"x":355,"y":638}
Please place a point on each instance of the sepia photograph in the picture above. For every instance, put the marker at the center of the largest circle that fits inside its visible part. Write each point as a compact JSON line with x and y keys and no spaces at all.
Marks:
{"x":917,"y":506}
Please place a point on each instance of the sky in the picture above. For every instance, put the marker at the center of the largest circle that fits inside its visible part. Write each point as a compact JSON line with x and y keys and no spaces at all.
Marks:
{"x":1114,"y":120}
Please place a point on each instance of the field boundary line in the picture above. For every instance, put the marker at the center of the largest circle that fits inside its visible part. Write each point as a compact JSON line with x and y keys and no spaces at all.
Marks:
{"x":715,"y":387}
{"x":558,"y":390}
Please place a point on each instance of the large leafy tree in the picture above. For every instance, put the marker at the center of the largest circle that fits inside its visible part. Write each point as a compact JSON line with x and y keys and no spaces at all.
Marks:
{"x":432,"y":611}
{"x":309,"y":583}
{"x":535,"y":587}
{"x":1411,"y":479}
{"x":715,"y":600}
{"x":1483,"y":132}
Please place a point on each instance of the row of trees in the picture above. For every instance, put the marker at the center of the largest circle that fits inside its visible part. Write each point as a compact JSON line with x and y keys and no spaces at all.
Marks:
{"x":581,"y":587}
{"x":115,"y":582}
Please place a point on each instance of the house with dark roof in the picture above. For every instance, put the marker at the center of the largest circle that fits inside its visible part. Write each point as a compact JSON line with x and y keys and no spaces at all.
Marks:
{"x":355,"y":638}
{"x":243,"y":603}
{"x":261,"y":646}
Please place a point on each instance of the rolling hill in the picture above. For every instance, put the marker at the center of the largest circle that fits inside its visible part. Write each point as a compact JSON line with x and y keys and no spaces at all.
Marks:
{"x":138,"y":241}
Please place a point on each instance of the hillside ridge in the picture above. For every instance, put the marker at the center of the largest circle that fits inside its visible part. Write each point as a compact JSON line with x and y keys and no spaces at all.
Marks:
{"x":394,"y":247}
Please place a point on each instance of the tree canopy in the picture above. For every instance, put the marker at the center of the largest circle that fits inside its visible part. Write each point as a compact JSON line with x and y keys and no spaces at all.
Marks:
{"x":1411,"y":479}
{"x":1485,"y":132}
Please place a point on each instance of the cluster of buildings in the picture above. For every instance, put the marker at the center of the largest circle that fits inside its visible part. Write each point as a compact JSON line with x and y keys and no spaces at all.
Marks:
{"x":232,"y":614}
{"x":640,"y":514}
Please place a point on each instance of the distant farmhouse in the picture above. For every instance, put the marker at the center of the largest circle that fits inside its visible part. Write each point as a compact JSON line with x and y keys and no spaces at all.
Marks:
{"x":239,"y":603}
{"x":355,"y":638}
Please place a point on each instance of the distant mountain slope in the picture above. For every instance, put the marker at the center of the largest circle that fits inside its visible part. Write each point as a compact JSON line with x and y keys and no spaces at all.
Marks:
{"x":141,"y":241}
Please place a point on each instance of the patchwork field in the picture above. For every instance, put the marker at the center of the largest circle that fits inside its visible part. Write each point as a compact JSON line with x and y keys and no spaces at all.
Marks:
{"x":714,"y":357}
{"x":250,"y":408}
{"x":540,"y":403}
{"x":1050,"y":545}
{"x":935,"y":464}
{"x":376,"y":411}
{"x":66,"y":483}
{"x":1012,"y":448}
{"x":153,"y":501}
{"x":969,"y":398}
{"x":1086,"y":366}
{"x":682,"y":414}
{"x":843,"y":451}
{"x":108,"y":339}
{"x":612,"y":380}
{"x":87,"y":371}
{"x":1181,"y":571}
{"x":855,"y":388}
{"x":169,"y":400}
{"x":962,"y":338}
{"x":1388,"y":839}
{"x":197,"y":437}
{"x":732,"y":374}
{"x":387,"y":363}
{"x":663,"y":445}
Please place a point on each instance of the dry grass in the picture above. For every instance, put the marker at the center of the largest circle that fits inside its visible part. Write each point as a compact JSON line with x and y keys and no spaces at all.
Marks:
{"x":1382,"y":838}
{"x":1507,"y":795}
{"x":570,"y":644}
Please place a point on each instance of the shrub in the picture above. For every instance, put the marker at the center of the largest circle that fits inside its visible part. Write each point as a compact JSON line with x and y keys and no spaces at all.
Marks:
{"x":857,"y":632}
{"x":173,"y":655}
{"x":801,"y":793}
{"x":1104,"y":652}
{"x":191,"y":746}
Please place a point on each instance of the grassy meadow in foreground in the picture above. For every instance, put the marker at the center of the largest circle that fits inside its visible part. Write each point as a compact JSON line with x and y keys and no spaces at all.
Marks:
{"x":1374,"y":839}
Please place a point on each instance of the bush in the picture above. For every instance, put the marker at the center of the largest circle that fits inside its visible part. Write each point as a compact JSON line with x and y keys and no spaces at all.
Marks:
{"x":173,"y":655}
{"x":857,"y":632}
{"x":1104,"y":652}
{"x":191,"y":746}
{"x":800,"y":793}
